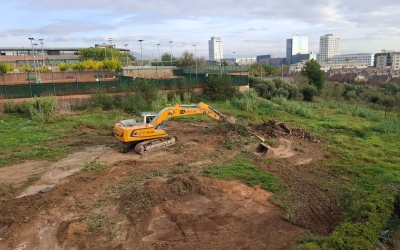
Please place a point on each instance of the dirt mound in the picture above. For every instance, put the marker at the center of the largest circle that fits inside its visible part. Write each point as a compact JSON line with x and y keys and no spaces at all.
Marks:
{"x":277,"y":129}
{"x":190,"y":212}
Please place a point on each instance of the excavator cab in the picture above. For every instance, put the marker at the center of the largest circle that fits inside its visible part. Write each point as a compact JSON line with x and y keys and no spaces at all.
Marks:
{"x":147,"y":117}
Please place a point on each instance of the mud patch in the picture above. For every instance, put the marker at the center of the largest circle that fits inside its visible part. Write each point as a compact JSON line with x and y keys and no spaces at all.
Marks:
{"x":66,"y":167}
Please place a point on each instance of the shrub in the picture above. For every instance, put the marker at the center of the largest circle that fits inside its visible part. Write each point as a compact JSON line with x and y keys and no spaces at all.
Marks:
{"x":247,"y":100}
{"x":40,"y":109}
{"x":309,"y":92}
{"x":101,"y":100}
{"x":160,"y":102}
{"x":219,"y":88}
{"x":176,"y":98}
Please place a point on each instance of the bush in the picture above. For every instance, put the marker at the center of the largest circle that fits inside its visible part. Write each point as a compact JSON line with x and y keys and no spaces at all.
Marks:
{"x":270,"y":89}
{"x":160,"y":102}
{"x":219,"y":88}
{"x":309,"y":92}
{"x":100,"y":99}
{"x":247,"y":100}
{"x":39,"y":110}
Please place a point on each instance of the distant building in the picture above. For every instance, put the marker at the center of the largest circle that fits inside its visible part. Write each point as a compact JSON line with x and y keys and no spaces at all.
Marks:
{"x":270,"y":60}
{"x":325,"y":66}
{"x":329,"y":46}
{"x":295,"y":48}
{"x":387,"y":59}
{"x":240,"y":61}
{"x":215,"y":49}
{"x":39,"y":56}
{"x":277,"y":62}
{"x":265,"y":59}
{"x":361,"y":57}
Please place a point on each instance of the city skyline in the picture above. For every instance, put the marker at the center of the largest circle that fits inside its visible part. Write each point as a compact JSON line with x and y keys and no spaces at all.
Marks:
{"x":247,"y":28}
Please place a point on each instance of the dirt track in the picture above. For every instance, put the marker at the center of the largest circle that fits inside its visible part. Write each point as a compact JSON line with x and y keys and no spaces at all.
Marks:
{"x":159,"y":200}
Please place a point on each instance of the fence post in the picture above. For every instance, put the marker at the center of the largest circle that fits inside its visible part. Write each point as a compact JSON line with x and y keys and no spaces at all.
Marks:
{"x":30,"y":88}
{"x":5,"y":90}
{"x":54,"y":89}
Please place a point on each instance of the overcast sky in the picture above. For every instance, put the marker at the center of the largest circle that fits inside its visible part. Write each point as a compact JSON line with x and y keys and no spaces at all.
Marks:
{"x":248,"y":27}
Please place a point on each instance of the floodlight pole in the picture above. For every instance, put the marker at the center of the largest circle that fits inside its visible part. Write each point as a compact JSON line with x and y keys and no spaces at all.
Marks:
{"x":126,"y":52}
{"x":41,"y":44}
{"x":33,"y":53}
{"x":141,"y":55}
{"x":170,"y":46}
{"x":35,"y":44}
{"x":195,"y":58}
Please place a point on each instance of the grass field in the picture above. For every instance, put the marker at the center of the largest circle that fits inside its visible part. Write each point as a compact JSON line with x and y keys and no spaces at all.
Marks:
{"x":362,"y":148}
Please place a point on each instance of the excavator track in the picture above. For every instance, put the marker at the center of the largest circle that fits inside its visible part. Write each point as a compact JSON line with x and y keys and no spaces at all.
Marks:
{"x":156,"y":144}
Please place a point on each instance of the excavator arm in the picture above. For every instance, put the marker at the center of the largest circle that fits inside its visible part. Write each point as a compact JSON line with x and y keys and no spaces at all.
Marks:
{"x":188,"y":109}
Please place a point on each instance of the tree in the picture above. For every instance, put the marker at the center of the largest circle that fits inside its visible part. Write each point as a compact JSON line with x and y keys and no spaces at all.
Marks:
{"x":112,"y":64}
{"x":166,"y":57}
{"x":187,"y":59}
{"x":388,"y":102}
{"x":104,"y":53}
{"x":201,"y":62}
{"x":79,"y":66}
{"x":309,"y":92}
{"x":64,"y":66}
{"x":312,"y":70}
{"x":224,"y":63}
{"x":262,"y":69}
{"x":5,"y":68}
{"x":26,"y":68}
{"x":281,"y":71}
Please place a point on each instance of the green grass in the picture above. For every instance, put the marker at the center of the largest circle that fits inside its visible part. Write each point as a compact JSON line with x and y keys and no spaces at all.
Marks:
{"x":243,"y":169}
{"x":93,"y":166}
{"x":23,"y":139}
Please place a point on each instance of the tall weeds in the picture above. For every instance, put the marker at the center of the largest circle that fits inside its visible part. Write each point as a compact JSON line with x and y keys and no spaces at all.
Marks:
{"x":294,"y":108}
{"x":39,"y":109}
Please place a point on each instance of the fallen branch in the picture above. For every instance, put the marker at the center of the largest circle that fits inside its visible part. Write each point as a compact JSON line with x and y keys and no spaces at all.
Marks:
{"x":199,"y":125}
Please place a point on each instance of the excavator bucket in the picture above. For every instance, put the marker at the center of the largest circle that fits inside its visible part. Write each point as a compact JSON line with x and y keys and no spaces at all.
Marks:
{"x":263,"y":150}
{"x":228,"y":119}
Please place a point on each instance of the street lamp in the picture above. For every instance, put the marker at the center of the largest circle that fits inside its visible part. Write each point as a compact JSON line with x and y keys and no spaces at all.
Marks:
{"x":141,"y":55}
{"x":159,"y":52}
{"x":41,"y":44}
{"x":170,"y":46}
{"x":126,"y":52}
{"x":220,"y":59}
{"x":33,"y":53}
{"x":23,"y":48}
{"x":37,"y":80}
{"x":110,"y":40}
{"x":195,"y":57}
{"x":234,"y":65}
{"x":105,"y":50}
{"x":159,"y":58}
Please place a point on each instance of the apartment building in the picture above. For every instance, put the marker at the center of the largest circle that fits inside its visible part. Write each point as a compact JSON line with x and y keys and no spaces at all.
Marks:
{"x":329,"y":46}
{"x":215,"y":49}
{"x":360,"y":57}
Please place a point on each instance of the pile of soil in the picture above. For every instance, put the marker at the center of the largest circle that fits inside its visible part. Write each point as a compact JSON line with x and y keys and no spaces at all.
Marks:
{"x":277,"y":129}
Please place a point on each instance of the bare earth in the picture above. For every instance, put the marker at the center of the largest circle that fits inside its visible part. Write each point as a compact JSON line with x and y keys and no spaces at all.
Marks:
{"x":161,"y":201}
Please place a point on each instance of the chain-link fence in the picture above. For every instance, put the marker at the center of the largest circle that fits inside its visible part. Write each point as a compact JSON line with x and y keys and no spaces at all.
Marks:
{"x":120,"y":84}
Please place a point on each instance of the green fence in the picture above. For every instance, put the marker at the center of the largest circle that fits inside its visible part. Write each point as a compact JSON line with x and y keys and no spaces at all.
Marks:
{"x":76,"y":88}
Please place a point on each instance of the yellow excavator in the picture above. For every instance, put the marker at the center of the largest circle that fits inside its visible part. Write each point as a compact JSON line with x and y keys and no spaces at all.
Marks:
{"x":148,"y":133}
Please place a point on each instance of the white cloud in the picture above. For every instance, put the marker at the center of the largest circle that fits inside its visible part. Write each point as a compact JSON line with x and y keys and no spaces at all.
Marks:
{"x":248,"y":27}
